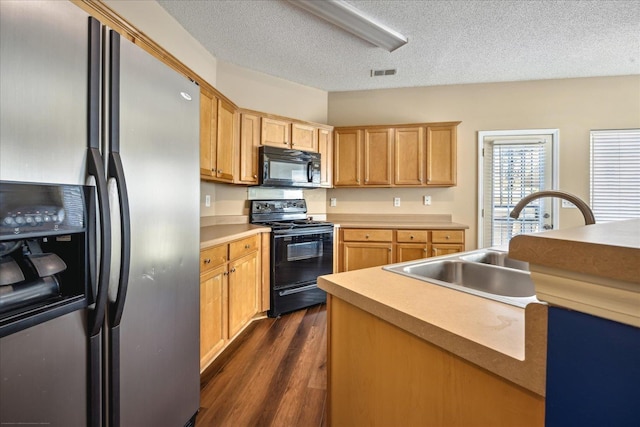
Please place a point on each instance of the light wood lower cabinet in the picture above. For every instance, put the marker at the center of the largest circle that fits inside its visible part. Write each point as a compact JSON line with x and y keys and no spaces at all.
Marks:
{"x":363,"y":248}
{"x":381,"y":375}
{"x":231,"y":287}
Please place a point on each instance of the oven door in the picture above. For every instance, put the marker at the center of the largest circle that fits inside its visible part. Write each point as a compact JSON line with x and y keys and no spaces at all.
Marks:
{"x":299,"y":257}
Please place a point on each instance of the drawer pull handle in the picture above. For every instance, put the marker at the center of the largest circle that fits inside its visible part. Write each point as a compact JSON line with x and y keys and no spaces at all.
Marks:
{"x":207,"y":261}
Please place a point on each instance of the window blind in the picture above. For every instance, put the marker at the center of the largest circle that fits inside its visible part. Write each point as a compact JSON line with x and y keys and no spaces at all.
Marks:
{"x":615,"y":174}
{"x":517,"y":171}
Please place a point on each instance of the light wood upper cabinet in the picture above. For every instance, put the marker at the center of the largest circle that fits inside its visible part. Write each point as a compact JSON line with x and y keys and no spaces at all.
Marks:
{"x":347,"y":157}
{"x":275,"y":133}
{"x":208,"y":132}
{"x":325,"y":148}
{"x":441,"y":155}
{"x":304,"y":137}
{"x":249,"y":143}
{"x":409,"y":149}
{"x":219,"y":132}
{"x":413,"y":155}
{"x":378,"y":152}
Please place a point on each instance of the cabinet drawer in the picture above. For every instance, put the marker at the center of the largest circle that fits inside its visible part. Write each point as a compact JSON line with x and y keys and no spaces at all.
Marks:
{"x":447,"y":236}
{"x":367,"y":235}
{"x":212,"y":257}
{"x":412,"y":236}
{"x":244,"y":246}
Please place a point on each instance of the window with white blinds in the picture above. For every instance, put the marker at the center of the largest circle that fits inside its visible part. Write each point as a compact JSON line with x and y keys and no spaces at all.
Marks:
{"x":615,"y":174}
{"x":517,"y":170}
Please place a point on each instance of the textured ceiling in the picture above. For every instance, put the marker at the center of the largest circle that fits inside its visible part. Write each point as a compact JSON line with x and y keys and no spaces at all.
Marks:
{"x":450,"y":42}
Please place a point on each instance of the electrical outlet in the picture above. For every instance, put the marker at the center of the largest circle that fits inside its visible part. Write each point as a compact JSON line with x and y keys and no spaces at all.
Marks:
{"x":568,"y":204}
{"x":207,"y":201}
{"x":396,"y":201}
{"x":427,"y":200}
{"x":333,"y":202}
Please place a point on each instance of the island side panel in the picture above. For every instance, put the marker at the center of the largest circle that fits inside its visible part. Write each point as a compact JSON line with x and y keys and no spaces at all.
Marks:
{"x":381,"y":375}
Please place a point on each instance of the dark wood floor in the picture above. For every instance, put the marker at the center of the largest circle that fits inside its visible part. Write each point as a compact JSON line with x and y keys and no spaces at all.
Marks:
{"x":273,"y":375}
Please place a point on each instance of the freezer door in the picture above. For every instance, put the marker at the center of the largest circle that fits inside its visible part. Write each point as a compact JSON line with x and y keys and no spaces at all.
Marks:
{"x":43,"y":373}
{"x":43,"y":92}
{"x":43,"y":138}
{"x":159,"y":332}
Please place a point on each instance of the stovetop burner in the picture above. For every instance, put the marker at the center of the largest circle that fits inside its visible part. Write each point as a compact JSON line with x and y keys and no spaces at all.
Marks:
{"x":282,"y":214}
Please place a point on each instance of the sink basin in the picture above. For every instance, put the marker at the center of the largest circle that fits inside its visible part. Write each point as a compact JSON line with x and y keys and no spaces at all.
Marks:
{"x":487,"y":278}
{"x":486,"y":273}
{"x":496,"y":258}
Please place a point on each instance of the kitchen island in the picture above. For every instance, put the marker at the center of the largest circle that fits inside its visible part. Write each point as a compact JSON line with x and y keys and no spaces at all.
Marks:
{"x":406,"y":352}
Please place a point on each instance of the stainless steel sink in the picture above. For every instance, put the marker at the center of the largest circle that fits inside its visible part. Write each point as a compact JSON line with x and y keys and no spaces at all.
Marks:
{"x":496,"y":258}
{"x":486,"y":273}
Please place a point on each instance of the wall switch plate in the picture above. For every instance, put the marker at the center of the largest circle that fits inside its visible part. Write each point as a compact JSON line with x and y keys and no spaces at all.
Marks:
{"x":396,"y":201}
{"x":427,"y":200}
{"x":333,"y":202}
{"x":207,"y":201}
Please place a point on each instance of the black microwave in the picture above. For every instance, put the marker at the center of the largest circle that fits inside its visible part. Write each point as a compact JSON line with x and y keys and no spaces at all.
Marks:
{"x":281,"y":167}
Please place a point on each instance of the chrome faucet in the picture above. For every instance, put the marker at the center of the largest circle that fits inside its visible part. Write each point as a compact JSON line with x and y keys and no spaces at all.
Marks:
{"x":580,"y":204}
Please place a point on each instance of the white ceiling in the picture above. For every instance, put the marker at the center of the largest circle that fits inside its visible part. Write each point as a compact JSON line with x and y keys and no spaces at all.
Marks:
{"x":450,"y":41}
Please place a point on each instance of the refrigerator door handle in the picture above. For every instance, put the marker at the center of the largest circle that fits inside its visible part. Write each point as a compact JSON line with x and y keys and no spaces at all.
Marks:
{"x":95,"y":168}
{"x":116,"y":171}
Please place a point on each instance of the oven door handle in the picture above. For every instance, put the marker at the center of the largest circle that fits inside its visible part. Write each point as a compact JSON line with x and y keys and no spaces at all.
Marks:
{"x":303,"y":232}
{"x":297,"y":290}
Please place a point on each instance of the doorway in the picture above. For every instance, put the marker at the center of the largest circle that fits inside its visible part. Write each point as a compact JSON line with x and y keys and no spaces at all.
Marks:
{"x":511,"y":165}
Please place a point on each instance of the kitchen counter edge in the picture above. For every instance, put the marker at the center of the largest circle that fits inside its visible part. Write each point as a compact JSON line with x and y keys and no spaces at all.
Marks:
{"x":217,"y":234}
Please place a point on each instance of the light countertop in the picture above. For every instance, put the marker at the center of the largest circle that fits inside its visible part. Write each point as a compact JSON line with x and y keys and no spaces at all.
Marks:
{"x":609,"y":250}
{"x":405,"y":221}
{"x":216,"y":234}
{"x":504,"y":339}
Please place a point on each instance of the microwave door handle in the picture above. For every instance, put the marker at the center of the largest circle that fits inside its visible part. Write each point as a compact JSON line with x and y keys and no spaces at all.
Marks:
{"x":309,"y":171}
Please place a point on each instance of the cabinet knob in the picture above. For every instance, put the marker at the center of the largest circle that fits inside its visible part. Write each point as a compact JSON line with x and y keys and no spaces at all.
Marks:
{"x":366,"y":236}
{"x":389,"y":249}
{"x":225,"y":274}
{"x":447,"y":237}
{"x":247,"y":246}
{"x":285,"y":142}
{"x":207,"y":261}
{"x":411,"y":237}
{"x":233,"y":270}
{"x":424,"y":250}
{"x":255,"y":176}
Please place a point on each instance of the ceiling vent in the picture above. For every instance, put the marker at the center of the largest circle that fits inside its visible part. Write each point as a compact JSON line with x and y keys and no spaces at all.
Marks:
{"x":389,"y":72}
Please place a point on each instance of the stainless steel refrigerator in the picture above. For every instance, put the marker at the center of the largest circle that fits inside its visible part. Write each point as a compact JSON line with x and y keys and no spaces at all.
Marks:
{"x":81,"y":106}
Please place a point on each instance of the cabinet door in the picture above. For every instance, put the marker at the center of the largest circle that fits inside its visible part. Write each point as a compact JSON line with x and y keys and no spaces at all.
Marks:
{"x":325,"y":148}
{"x":357,"y":255}
{"x":304,"y":137}
{"x":441,"y":155}
{"x":378,"y":156}
{"x":226,"y":144}
{"x":438,"y":249}
{"x":213,"y":288}
{"x":275,"y":133}
{"x":347,"y":157}
{"x":411,"y":251}
{"x":243,"y":291}
{"x":208,"y":133}
{"x":249,"y":143}
{"x":409,"y":160}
